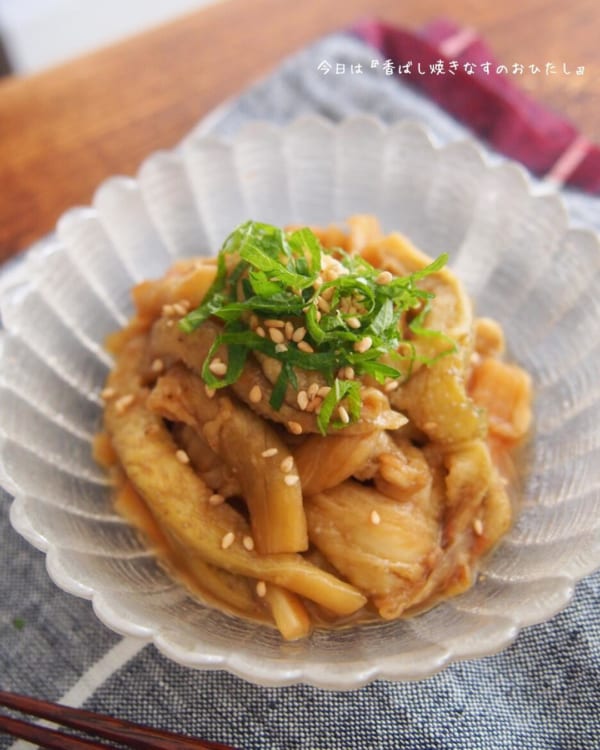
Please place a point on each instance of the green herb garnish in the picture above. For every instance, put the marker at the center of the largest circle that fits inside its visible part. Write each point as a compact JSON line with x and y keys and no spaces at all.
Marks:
{"x":18,"y":623}
{"x":345,"y":314}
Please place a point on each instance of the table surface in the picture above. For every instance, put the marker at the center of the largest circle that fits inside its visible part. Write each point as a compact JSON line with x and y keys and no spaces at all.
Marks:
{"x":64,"y":130}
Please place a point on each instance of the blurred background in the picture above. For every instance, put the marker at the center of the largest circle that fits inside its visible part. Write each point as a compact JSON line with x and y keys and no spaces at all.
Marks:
{"x":98,"y":85}
{"x":36,"y":34}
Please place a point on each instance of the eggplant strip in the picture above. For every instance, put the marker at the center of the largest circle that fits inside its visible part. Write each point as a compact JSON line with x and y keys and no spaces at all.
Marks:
{"x":240,"y":438}
{"x":233,"y":593}
{"x":390,"y":559}
{"x":171,"y":344}
{"x":179,"y":499}
{"x":211,"y":468}
{"x":289,"y":613}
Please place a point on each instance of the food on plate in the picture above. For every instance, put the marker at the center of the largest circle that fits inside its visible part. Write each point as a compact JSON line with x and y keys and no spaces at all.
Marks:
{"x":313,"y":428}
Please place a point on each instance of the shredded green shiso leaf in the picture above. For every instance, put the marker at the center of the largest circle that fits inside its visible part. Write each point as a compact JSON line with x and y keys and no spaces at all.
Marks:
{"x":352,"y":317}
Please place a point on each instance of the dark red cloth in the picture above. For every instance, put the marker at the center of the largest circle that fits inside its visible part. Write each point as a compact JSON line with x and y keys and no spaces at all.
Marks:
{"x":491,"y":104}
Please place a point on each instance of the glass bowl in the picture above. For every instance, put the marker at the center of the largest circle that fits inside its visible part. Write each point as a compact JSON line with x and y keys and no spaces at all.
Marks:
{"x":520,"y":261}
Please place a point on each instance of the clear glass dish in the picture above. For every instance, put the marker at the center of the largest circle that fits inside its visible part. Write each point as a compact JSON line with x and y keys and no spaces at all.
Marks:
{"x":521,"y":263}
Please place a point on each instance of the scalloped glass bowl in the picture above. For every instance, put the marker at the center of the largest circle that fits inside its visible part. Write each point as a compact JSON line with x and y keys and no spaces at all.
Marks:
{"x":519,"y":261}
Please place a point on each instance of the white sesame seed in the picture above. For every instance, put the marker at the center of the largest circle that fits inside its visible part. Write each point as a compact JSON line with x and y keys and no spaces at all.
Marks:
{"x":304,"y":346}
{"x":291,"y":479}
{"x":391,"y":386}
{"x":167,"y":310}
{"x":217,"y":367}
{"x":302,"y":399}
{"x":349,"y":373}
{"x":353,"y":322}
{"x":107,"y":393}
{"x":324,"y":390}
{"x":276,"y":336}
{"x":313,"y":389}
{"x":123,"y":403}
{"x":318,"y":283}
{"x":227,"y":540}
{"x":375,"y":518}
{"x":269,"y":452}
{"x":179,"y":309}
{"x":478,"y":526}
{"x":182,"y":456}
{"x":363,"y":345}
{"x":287,"y":464}
{"x":170,"y":323}
{"x":261,"y":589}
{"x":344,"y":416}
{"x":384,"y":277}
{"x":274,"y":323}
{"x":289,"y":329}
{"x":260,"y":331}
{"x":210,"y":392}
{"x":295,"y":428}
{"x":157,"y":366}
{"x":253,"y":322}
{"x":255,"y":394}
{"x":299,"y":334}
{"x":248,"y":543}
{"x":280,"y":348}
{"x":216,"y":499}
{"x":323,"y":304}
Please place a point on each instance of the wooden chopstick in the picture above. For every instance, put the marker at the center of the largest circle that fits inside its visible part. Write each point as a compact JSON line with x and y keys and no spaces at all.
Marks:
{"x":108,"y":727}
{"x":48,"y":738}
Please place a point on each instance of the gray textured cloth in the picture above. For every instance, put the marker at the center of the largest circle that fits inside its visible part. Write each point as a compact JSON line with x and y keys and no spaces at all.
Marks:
{"x":542,"y":692}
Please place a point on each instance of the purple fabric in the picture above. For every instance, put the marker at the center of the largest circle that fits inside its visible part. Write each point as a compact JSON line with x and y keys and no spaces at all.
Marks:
{"x":490,"y":104}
